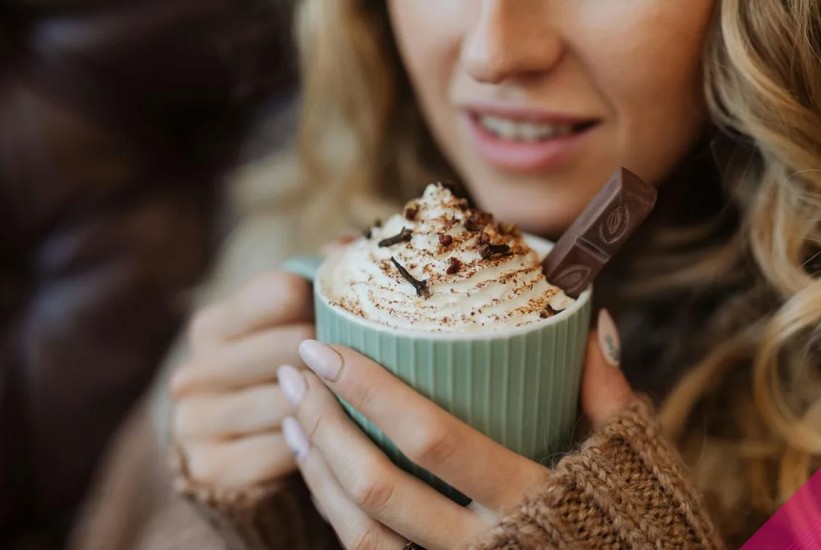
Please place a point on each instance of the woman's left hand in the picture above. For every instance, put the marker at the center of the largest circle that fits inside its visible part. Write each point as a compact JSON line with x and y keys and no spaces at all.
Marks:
{"x":369,"y":501}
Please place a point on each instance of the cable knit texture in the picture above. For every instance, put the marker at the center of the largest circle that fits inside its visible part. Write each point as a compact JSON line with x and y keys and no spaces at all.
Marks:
{"x":625,"y":488}
{"x":275,"y":515}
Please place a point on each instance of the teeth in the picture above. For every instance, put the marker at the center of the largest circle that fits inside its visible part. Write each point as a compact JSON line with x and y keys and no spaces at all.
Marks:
{"x":516,"y":130}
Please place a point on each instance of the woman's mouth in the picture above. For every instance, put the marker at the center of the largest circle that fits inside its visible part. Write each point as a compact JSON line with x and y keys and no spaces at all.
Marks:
{"x":531,"y":132}
{"x":526,"y":141}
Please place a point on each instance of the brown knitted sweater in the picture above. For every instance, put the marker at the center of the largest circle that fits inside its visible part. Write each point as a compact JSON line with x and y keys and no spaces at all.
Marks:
{"x":624,"y":488}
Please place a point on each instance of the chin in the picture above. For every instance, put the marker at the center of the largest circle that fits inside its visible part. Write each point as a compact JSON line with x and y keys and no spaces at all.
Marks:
{"x":537,"y":210}
{"x":548,"y":223}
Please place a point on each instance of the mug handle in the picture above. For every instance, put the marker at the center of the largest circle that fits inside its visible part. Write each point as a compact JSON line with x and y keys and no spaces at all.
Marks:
{"x":304,"y":266}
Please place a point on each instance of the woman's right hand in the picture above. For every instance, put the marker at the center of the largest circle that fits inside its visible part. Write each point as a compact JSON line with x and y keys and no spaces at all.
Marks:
{"x":228,"y":407}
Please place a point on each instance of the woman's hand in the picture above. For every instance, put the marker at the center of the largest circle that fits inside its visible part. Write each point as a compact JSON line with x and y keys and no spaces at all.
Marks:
{"x":369,"y":501}
{"x":228,"y":406}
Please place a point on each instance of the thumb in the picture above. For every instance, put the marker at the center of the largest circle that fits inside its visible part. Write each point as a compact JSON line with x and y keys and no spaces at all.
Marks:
{"x":605,"y":391}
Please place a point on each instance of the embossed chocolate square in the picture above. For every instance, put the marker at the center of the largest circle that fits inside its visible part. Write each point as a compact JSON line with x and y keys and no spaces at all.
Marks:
{"x":612,"y":216}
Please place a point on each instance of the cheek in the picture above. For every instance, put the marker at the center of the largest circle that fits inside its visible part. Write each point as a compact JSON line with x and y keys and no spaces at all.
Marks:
{"x":429,"y":36}
{"x":647,"y":67}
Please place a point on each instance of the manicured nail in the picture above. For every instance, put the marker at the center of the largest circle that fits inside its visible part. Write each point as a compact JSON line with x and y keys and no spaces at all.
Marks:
{"x":292,"y":383}
{"x":609,"y":341}
{"x":295,"y":437}
{"x":321,"y":359}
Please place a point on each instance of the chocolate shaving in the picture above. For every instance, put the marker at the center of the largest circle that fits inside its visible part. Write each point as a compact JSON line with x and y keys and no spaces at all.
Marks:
{"x":483,"y":237}
{"x":548,"y":311}
{"x":445,"y":239}
{"x":478,"y":220}
{"x":402,"y":236}
{"x":367,"y":233}
{"x":490,"y":250}
{"x":454,"y":267}
{"x":420,"y":286}
{"x":411,"y":212}
{"x":507,"y":229}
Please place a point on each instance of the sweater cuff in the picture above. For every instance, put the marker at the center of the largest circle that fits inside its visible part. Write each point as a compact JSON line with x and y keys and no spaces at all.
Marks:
{"x":624,"y":488}
{"x":278,"y":514}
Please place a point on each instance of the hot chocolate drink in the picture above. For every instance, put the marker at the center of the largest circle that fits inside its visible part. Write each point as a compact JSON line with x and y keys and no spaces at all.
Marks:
{"x":444,"y":267}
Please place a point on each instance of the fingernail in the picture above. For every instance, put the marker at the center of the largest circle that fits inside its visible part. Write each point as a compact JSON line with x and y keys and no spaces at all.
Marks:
{"x":292,"y":383}
{"x":609,"y":341}
{"x":321,"y":359}
{"x":295,"y":437}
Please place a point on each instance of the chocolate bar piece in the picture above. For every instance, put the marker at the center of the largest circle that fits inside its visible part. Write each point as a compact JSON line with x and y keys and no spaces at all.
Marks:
{"x":612,"y":216}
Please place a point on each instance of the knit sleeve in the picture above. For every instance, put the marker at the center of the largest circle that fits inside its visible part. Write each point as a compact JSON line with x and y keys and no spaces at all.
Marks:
{"x":625,"y":488}
{"x":273,"y":516}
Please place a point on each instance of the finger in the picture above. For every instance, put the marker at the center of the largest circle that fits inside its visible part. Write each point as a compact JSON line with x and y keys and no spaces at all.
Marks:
{"x":604,"y":391}
{"x":241,"y":462}
{"x":271,"y":299}
{"x":252,"y":360}
{"x":228,"y":415}
{"x":427,"y":434}
{"x":371,"y":481}
{"x":355,"y":528}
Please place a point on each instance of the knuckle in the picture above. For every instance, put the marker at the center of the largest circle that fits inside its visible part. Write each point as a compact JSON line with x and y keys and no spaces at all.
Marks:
{"x":303,"y":332}
{"x":200,"y":325}
{"x":182,"y":416}
{"x":364,"y":538}
{"x":264,"y":401}
{"x":363,"y":395}
{"x":187,"y":376}
{"x":202,"y":465}
{"x":432,"y":447}
{"x":273,"y":295}
{"x":372,"y":490}
{"x":267,"y":460}
{"x":178,"y":383}
{"x":276,"y":289}
{"x":265,"y":280}
{"x":314,"y":424}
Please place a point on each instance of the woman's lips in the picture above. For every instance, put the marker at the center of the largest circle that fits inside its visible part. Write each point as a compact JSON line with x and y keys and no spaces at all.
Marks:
{"x":526,"y":141}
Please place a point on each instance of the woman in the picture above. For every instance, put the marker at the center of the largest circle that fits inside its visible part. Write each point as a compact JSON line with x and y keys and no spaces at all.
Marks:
{"x":531,"y":105}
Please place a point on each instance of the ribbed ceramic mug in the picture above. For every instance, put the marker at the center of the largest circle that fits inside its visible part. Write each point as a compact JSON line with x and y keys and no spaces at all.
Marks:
{"x":517,"y":385}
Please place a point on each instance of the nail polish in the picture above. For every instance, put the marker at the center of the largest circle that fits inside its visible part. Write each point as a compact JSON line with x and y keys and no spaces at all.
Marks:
{"x":292,"y":384}
{"x":609,"y":341}
{"x":295,"y":437}
{"x":321,"y":358}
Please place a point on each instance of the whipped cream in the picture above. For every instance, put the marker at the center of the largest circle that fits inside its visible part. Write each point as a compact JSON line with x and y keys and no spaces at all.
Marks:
{"x":441,"y":266}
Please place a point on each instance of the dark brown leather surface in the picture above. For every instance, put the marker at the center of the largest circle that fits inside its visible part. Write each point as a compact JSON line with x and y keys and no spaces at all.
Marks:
{"x":116,"y":120}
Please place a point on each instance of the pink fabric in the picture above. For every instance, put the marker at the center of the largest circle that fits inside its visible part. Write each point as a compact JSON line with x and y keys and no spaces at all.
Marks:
{"x":797,"y":525}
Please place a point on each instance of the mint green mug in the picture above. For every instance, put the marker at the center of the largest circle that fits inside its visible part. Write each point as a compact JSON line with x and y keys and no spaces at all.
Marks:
{"x":518,"y":385}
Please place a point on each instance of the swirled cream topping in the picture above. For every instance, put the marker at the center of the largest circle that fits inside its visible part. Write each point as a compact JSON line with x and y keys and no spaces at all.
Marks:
{"x":441,"y":266}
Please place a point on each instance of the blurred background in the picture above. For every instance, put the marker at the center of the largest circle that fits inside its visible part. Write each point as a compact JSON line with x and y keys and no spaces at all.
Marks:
{"x":120,"y":122}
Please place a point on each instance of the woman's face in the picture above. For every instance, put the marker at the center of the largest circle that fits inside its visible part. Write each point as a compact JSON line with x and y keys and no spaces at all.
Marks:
{"x":537,"y":102}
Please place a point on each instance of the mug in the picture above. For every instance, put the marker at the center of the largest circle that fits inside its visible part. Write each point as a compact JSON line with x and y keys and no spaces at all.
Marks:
{"x":517,"y":385}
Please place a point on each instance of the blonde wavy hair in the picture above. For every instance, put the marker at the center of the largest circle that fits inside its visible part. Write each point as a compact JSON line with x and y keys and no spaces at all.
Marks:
{"x":759,"y":370}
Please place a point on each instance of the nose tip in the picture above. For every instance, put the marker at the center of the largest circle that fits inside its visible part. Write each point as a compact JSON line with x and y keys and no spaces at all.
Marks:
{"x":486,"y":63}
{"x":509,"y":41}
